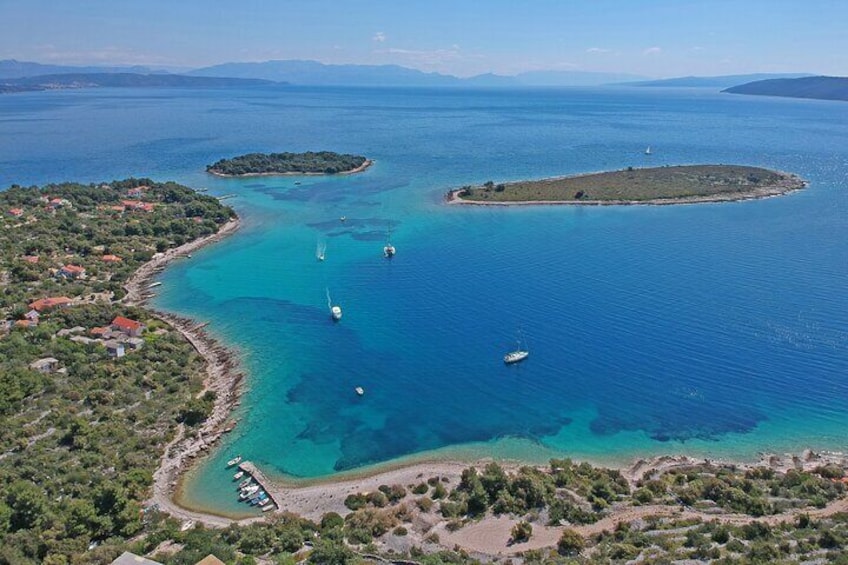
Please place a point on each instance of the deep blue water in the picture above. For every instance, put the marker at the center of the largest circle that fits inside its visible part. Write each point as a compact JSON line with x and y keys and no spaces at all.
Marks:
{"x":715,"y":329}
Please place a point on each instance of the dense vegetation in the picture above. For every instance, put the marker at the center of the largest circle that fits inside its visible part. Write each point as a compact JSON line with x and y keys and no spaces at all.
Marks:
{"x":321,"y":162}
{"x":536,"y":498}
{"x":639,"y":185}
{"x":822,"y":88}
{"x":79,"y":443}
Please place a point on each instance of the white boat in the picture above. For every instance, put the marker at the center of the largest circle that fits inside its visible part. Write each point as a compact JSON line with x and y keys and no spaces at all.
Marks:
{"x":234,"y":461}
{"x":520,"y":353}
{"x":515,"y":356}
{"x":359,"y":390}
{"x":321,"y":251}
{"x":245,"y":482}
{"x":389,"y":251}
{"x":335,"y":311}
{"x":238,"y":475}
{"x":247,"y":492}
{"x":264,"y":501}
{"x":648,"y":150}
{"x":267,"y":508}
{"x":343,"y":218}
{"x":154,"y":284}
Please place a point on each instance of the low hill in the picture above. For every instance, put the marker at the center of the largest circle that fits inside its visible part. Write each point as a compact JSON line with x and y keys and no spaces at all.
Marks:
{"x":11,"y":68}
{"x":723,"y":81}
{"x":94,"y":80}
{"x":821,"y":88}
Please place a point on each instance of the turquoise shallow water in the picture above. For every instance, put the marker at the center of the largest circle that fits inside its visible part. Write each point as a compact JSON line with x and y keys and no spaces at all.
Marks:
{"x":718,"y":330}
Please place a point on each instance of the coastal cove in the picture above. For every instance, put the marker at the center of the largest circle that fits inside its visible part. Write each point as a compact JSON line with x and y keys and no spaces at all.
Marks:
{"x":647,"y":336}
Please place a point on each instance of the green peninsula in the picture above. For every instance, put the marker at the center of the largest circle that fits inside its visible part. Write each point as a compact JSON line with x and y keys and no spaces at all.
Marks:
{"x":309,"y":163}
{"x":93,"y":387}
{"x":656,"y":185}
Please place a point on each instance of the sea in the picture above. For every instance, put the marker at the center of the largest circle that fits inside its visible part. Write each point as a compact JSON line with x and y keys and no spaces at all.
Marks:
{"x":713,"y":330}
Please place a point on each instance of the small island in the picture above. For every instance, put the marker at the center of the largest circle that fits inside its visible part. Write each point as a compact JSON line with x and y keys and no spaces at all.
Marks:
{"x":656,"y":185}
{"x":308,"y":163}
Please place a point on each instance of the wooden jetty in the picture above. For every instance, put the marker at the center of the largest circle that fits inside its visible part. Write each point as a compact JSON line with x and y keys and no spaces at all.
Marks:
{"x":261,"y":480}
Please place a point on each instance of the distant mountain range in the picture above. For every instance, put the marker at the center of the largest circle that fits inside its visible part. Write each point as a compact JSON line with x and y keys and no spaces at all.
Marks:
{"x":821,"y":88}
{"x":18,"y":76}
{"x":723,"y":81}
{"x":94,"y":80}
{"x":314,"y":73}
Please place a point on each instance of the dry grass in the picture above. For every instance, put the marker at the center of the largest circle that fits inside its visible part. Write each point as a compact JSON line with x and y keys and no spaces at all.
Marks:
{"x":640,"y":185}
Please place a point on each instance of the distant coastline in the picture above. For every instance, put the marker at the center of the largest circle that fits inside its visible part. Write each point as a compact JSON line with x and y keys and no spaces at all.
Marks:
{"x":658,"y":186}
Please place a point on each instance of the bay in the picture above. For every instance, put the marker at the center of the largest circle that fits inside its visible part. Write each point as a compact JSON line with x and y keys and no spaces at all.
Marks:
{"x":718,"y":330}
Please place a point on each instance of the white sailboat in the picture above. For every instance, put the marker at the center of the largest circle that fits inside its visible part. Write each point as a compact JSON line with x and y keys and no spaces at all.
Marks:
{"x":389,"y":249}
{"x":520,"y":353}
{"x":648,"y":150}
{"x":335,"y":310}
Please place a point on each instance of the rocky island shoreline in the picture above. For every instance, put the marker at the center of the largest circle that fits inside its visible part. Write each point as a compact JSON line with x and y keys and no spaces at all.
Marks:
{"x":657,"y":186}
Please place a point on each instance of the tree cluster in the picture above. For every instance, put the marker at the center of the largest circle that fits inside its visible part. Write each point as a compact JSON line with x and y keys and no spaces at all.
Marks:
{"x":320,"y":162}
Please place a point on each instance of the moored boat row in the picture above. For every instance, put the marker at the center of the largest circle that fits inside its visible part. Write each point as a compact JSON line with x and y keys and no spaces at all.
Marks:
{"x":250,"y":489}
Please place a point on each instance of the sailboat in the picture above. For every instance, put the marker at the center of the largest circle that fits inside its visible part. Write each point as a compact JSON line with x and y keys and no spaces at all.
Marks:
{"x":321,"y":251}
{"x":648,"y":150}
{"x":335,"y":311}
{"x":389,"y":249}
{"x":520,"y":353}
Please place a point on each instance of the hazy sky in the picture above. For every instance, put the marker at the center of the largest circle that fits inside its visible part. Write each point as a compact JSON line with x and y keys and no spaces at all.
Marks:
{"x":462,"y":37}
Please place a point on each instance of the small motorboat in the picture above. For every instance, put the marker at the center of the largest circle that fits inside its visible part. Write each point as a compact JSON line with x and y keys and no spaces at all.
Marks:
{"x":234,"y":461}
{"x":238,"y":475}
{"x":389,"y":251}
{"x":336,"y":313}
{"x":245,"y":483}
{"x":359,"y":390}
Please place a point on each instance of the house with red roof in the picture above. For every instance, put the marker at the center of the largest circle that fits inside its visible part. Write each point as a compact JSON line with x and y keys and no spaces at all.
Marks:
{"x":16,"y":212}
{"x":111,"y":259}
{"x":130,"y":327}
{"x":72,"y":272}
{"x":137,"y":205}
{"x":43,"y":304}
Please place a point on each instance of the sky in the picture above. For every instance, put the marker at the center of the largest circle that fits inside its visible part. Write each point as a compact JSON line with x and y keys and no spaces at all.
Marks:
{"x":654,"y":38}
